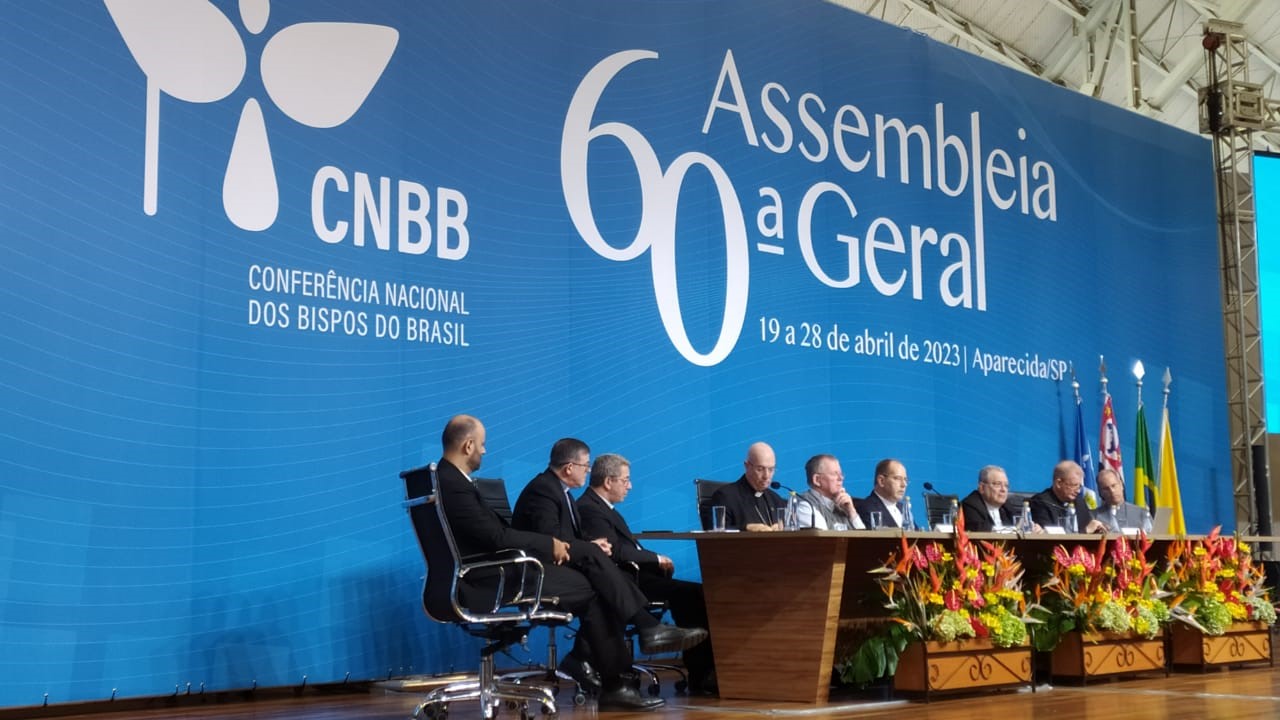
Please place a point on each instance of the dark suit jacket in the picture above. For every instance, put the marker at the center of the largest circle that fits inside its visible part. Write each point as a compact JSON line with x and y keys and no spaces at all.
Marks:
{"x":477,"y":528}
{"x":742,"y":507}
{"x":1047,"y":509}
{"x":541,"y":508}
{"x":873,"y":502}
{"x":601,"y":521}
{"x":976,"y":517}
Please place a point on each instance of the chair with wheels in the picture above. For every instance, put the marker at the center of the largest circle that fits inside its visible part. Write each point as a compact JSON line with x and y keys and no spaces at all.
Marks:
{"x":493,"y":491}
{"x":515,"y":608}
{"x":703,"y":490}
{"x":647,"y":669}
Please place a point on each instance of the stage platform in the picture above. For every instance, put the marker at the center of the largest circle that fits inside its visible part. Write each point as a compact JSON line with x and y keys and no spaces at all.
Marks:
{"x":1241,"y":694}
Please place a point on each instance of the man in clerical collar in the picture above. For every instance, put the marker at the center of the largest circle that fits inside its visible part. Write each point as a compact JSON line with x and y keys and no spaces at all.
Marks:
{"x":886,"y":495}
{"x":984,"y":509}
{"x":826,"y":505}
{"x":749,"y":503}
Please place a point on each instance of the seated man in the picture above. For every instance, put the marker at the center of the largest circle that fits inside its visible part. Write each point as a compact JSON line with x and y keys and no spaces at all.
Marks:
{"x":610,"y":483}
{"x":1049,"y":508}
{"x":984,"y":509}
{"x":826,"y":505}
{"x":1114,"y":511}
{"x":749,"y":504}
{"x":886,"y":495}
{"x":586,"y":582}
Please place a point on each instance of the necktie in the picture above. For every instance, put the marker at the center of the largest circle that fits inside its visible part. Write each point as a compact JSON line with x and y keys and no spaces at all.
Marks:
{"x":573,"y":515}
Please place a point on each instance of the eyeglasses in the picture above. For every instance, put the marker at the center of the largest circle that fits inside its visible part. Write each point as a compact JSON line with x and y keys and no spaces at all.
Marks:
{"x":584,"y":466}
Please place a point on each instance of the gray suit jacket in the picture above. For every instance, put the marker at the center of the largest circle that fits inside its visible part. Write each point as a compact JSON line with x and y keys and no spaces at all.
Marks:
{"x":1127,"y":515}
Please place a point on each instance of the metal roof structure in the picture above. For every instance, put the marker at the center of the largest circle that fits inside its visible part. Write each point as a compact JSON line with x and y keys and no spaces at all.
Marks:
{"x":1144,"y":55}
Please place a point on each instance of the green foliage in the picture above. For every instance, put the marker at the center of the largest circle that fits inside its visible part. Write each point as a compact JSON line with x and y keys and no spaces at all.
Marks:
{"x":877,"y":656}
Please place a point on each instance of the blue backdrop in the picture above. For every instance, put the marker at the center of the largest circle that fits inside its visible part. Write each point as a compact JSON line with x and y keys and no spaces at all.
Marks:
{"x":256,"y":254}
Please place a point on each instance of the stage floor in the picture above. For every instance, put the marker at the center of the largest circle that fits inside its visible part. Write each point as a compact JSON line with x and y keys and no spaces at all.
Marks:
{"x":1241,"y":694}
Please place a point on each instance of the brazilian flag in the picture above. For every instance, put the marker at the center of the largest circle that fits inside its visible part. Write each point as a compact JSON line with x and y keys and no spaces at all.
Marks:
{"x":1144,"y":478}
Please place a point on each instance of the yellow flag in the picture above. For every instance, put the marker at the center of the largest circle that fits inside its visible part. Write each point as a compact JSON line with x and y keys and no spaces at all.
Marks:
{"x":1168,"y":495}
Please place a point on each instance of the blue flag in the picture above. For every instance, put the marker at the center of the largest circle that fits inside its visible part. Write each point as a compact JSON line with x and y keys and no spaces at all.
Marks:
{"x":1084,"y":458}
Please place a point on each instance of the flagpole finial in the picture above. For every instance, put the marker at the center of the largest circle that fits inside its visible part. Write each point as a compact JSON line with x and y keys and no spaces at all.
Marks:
{"x":1168,"y":380}
{"x":1102,"y":374}
{"x":1138,"y":372}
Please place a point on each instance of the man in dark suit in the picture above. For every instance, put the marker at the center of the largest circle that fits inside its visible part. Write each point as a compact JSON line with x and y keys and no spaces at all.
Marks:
{"x":984,"y":509}
{"x":1049,"y":508}
{"x":603,"y":600}
{"x":749,"y":504}
{"x":546,"y":506}
{"x":888,"y":491}
{"x":610,"y":483}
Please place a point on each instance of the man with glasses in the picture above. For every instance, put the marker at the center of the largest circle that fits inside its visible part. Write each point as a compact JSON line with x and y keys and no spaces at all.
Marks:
{"x":886,"y":496}
{"x":1050,"y":508}
{"x":984,"y":509}
{"x":749,"y":504}
{"x":610,"y":484}
{"x":826,"y":505}
{"x":546,"y":507}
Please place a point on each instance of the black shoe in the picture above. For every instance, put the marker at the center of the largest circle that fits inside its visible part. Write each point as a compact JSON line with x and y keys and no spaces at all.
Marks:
{"x":626,"y":698}
{"x":669,"y":638}
{"x":581,"y":672}
{"x":705,"y":685}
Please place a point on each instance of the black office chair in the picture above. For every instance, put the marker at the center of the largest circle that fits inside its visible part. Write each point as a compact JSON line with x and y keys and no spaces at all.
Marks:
{"x":493,"y":492}
{"x":936,"y":505}
{"x":704,"y":489}
{"x":515,"y":608}
{"x":647,"y":670}
{"x":1015,"y":500}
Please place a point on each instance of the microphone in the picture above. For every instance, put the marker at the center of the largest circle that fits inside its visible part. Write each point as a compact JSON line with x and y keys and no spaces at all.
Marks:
{"x":779,"y":486}
{"x":928,"y":488}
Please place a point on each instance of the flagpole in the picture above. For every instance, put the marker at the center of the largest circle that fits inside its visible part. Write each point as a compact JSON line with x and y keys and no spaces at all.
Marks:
{"x":1075,"y":384}
{"x":1138,"y":372}
{"x":1168,"y":380}
{"x":1102,"y":373}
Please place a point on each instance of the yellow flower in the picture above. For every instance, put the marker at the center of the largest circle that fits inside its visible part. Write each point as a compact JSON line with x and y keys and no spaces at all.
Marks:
{"x":935,"y":598}
{"x":1199,"y":551}
{"x":1226,"y":573}
{"x":1242,"y":547}
{"x":1237,"y":611}
{"x":1075,"y":569}
{"x":946,"y":557}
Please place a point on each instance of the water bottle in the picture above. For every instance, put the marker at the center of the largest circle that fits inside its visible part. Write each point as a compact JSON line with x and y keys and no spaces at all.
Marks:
{"x":908,"y":522}
{"x":954,"y":512}
{"x":1025,"y":523}
{"x":1072,"y":525}
{"x":791,"y":519}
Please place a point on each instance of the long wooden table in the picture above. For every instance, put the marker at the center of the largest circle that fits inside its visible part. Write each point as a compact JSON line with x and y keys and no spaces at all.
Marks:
{"x":775,"y":600}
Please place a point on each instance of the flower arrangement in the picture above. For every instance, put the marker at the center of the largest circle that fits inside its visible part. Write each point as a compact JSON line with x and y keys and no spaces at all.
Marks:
{"x":970,"y":591}
{"x":1110,"y":589}
{"x":1214,"y":582}
{"x":943,"y":592}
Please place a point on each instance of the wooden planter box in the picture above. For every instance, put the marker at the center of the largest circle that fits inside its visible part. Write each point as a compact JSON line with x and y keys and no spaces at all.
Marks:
{"x":1093,"y":655}
{"x":967,"y":664}
{"x":1242,"y":643}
